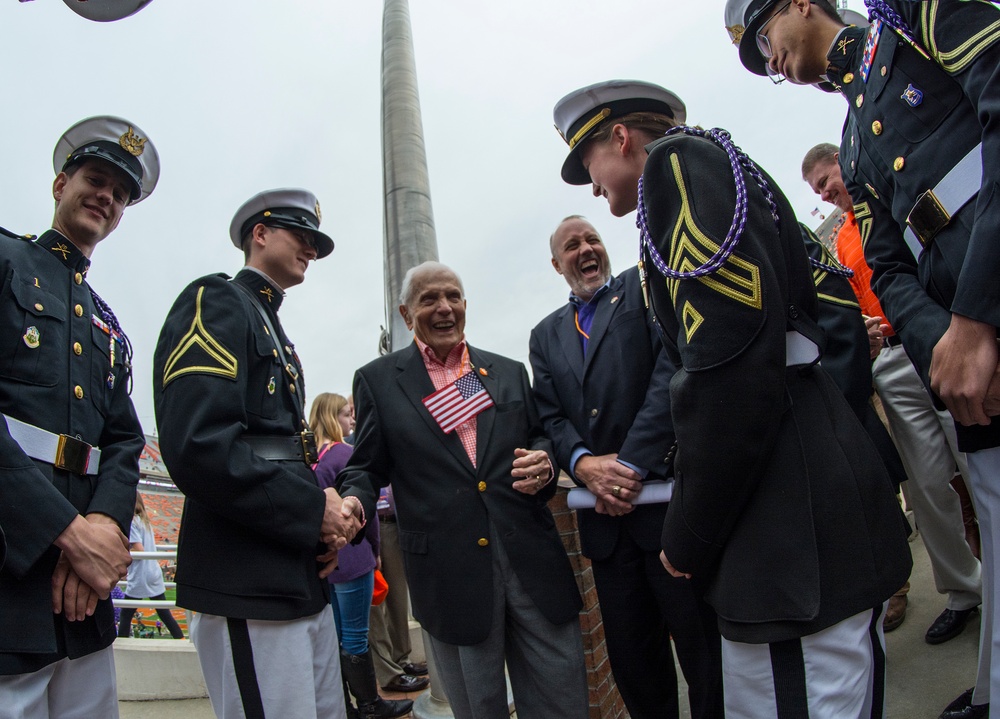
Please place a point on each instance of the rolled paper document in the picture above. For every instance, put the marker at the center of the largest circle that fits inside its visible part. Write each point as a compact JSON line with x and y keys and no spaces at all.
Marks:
{"x":654,"y":491}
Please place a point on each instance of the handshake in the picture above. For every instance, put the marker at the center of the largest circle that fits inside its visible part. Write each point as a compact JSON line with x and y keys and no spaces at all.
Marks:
{"x":342,"y":520}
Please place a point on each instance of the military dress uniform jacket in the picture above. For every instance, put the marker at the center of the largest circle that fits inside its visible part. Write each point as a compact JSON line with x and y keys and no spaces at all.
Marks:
{"x":56,"y":373}
{"x":616,"y":399}
{"x":917,"y":115}
{"x":445,"y":506}
{"x":847,"y":354}
{"x":780,"y":502}
{"x":250,"y":529}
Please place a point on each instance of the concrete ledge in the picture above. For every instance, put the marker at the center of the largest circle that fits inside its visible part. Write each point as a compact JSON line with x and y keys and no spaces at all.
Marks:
{"x":149,"y":669}
{"x":158,"y":669}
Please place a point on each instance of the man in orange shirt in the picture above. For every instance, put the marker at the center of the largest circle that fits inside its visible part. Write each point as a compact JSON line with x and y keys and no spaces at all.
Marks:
{"x":924,"y":436}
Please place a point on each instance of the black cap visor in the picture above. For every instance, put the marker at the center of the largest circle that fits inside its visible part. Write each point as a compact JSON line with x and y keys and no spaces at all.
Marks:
{"x":757,"y":14}
{"x":109,"y":152}
{"x":291,"y":218}
{"x":573,"y":171}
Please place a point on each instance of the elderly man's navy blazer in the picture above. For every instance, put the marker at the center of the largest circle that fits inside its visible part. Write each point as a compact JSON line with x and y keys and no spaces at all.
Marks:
{"x":445,"y":505}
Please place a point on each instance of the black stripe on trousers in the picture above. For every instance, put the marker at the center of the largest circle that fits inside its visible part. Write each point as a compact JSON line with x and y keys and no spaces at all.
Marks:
{"x":878,"y":664}
{"x":788,"y":669}
{"x":246,"y":674}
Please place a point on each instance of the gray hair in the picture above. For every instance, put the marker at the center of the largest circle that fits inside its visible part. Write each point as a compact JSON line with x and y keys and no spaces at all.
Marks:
{"x":406,"y":291}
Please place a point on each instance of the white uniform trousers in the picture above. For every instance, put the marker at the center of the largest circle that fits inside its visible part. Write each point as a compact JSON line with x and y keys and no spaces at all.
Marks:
{"x":81,"y":688}
{"x":258,"y":669}
{"x":925,"y":438}
{"x":836,"y":673}
{"x":984,"y":469}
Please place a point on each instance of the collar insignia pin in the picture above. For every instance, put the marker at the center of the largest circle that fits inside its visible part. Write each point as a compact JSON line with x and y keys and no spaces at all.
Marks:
{"x":843,"y":43}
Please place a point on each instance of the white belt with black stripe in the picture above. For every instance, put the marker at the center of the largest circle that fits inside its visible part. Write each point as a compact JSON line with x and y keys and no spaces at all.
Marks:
{"x":60,"y":450}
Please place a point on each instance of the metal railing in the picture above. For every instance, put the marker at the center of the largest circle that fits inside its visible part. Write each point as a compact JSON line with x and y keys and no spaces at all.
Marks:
{"x":166,"y":551}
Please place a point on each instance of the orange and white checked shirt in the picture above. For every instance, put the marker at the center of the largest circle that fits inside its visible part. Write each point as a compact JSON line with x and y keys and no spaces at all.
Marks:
{"x":444,"y":373}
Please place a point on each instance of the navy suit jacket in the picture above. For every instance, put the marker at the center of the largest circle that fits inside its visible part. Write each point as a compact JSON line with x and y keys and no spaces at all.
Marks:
{"x":445,"y":506}
{"x":614,"y":399}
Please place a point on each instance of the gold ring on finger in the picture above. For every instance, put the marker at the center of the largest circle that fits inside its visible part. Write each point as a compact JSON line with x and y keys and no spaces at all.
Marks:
{"x":616,"y":490}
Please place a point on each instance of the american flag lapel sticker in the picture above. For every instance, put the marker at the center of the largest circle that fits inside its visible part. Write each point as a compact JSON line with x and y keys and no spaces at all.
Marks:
{"x":458,"y":402}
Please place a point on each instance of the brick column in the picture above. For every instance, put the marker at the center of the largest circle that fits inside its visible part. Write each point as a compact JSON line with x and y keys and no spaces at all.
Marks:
{"x":605,"y":701}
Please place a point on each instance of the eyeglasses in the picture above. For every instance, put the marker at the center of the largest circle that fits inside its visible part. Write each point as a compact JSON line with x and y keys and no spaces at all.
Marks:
{"x":764,"y":45}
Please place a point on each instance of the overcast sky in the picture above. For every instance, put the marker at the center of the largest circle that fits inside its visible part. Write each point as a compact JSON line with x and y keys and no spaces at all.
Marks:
{"x":241,"y":96}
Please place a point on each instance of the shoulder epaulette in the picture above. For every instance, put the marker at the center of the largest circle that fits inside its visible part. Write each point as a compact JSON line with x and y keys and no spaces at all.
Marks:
{"x":7,"y":233}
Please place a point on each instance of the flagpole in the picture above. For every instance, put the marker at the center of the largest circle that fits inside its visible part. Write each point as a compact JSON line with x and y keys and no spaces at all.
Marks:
{"x":409,"y":238}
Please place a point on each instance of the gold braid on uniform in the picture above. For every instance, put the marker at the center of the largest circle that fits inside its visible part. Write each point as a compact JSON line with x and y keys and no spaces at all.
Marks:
{"x":691,"y":248}
{"x":957,"y":59}
{"x":198,"y":337}
{"x":864,"y":219}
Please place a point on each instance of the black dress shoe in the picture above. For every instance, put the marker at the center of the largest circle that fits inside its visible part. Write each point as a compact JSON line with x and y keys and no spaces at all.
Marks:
{"x":407,"y":683}
{"x":963,"y":708}
{"x":948,"y":625}
{"x":416,"y":669}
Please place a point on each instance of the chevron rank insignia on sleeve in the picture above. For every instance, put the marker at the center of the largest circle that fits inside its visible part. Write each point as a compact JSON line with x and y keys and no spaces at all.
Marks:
{"x":198,"y":352}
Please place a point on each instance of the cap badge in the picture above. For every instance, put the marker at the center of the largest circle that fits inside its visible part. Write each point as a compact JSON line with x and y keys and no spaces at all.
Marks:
{"x":319,"y":215}
{"x":132,"y":143}
{"x":32,"y":338}
{"x":736,"y":33}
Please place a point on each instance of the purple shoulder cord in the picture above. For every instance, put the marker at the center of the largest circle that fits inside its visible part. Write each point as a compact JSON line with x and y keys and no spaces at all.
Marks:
{"x":737,"y":159}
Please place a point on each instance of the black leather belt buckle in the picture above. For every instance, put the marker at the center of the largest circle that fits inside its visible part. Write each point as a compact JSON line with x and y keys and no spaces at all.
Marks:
{"x":72,"y":454}
{"x":927,"y":218}
{"x":309,"y":450}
